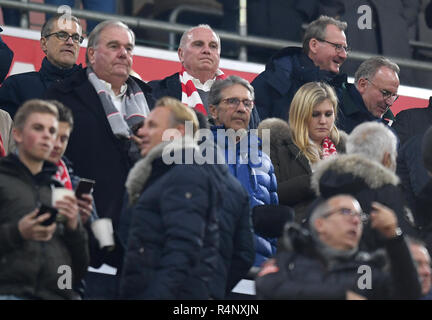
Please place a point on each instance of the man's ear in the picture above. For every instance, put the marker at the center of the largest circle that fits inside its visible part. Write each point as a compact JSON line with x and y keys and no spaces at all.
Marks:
{"x":181,"y":129}
{"x":180,"y":54}
{"x":213,"y":112}
{"x":17,"y":135}
{"x":318,"y":224}
{"x":362,"y":84}
{"x":387,"y":160}
{"x":43,"y":45}
{"x":90,"y":55}
{"x":313,"y":45}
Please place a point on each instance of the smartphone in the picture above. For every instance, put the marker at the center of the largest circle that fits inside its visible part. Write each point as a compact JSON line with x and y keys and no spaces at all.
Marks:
{"x":53,"y":211}
{"x":84,"y":186}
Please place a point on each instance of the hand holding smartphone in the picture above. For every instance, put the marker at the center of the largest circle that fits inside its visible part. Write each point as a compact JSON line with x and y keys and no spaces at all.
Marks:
{"x":84,"y":186}
{"x":44,"y":209}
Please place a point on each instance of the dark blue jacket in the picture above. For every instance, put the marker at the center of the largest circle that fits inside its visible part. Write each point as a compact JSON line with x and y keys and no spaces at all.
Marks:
{"x":174,"y":237}
{"x":171,"y":86}
{"x":284,"y":74}
{"x":19,"y":88}
{"x":258,"y":178}
{"x":93,"y":148}
{"x":352,"y":110}
{"x":6,"y":56}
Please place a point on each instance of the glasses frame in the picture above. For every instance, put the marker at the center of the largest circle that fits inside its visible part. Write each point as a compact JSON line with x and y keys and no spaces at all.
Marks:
{"x":57,"y":34}
{"x":338,"y":47}
{"x":237,"y":104}
{"x":385,"y":92}
{"x":344,"y":211}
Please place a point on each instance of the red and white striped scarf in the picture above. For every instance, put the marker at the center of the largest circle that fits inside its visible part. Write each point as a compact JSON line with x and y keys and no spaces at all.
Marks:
{"x":328,"y":148}
{"x":62,"y":175}
{"x":190,"y":95}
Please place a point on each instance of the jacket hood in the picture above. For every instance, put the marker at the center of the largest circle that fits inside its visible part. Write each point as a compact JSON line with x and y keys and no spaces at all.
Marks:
{"x":350,"y":173}
{"x":142,"y":169}
{"x":280,"y":133}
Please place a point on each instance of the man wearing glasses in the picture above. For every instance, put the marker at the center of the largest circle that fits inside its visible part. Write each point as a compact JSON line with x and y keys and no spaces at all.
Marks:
{"x":324,"y":51}
{"x":325,"y":263}
{"x":371,"y":96}
{"x":61,"y":37}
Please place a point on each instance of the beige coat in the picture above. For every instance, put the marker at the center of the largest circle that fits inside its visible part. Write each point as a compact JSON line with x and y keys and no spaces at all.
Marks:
{"x":6,"y":131}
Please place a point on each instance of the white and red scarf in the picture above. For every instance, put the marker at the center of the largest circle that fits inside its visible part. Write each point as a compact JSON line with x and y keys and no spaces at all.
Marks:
{"x":190,"y":95}
{"x":328,"y":148}
{"x":62,"y":174}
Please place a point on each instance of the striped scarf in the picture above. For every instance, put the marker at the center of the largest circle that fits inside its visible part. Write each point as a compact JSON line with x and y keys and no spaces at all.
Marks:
{"x":62,"y":174}
{"x":328,"y":148}
{"x":190,"y":95}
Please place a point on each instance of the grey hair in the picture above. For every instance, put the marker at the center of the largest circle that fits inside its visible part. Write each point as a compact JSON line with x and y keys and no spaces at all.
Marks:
{"x":94,"y":36}
{"x":215,"y":94}
{"x":317,"y":29}
{"x":369,"y":67}
{"x":48,"y":25}
{"x":185,"y":35}
{"x":372,"y":139}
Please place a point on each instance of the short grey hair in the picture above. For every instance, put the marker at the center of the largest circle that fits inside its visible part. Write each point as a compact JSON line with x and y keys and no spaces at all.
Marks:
{"x":215,"y":94}
{"x":185,"y":35}
{"x":372,"y":139}
{"x":317,"y":29}
{"x":94,"y":36}
{"x":369,"y":67}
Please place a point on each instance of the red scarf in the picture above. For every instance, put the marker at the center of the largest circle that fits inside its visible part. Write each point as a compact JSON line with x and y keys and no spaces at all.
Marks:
{"x":190,"y":95}
{"x":62,"y":175}
{"x":2,"y":149}
{"x":328,"y":148}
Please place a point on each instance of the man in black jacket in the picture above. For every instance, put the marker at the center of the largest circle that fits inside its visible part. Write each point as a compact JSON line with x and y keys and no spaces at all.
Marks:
{"x":38,"y":261}
{"x":61,"y":37}
{"x":325,"y":263}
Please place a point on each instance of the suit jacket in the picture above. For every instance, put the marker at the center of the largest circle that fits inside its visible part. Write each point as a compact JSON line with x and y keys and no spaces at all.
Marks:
{"x":93,"y":149}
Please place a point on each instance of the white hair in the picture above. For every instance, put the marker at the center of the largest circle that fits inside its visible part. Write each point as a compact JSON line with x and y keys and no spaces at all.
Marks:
{"x":372,"y":140}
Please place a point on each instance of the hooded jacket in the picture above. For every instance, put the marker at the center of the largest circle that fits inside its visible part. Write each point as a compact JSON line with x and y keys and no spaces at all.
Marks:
{"x":367,"y":181}
{"x":174,"y":236}
{"x":292,"y":168}
{"x":30,"y":269}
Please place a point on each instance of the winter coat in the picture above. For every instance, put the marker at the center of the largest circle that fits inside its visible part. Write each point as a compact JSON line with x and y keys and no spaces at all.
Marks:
{"x":93,"y":148}
{"x":174,"y":236}
{"x":6,"y":56}
{"x":6,"y":131}
{"x":255,"y":175}
{"x":352,"y":111}
{"x":30,"y":269}
{"x":284,"y":74}
{"x":171,"y":86}
{"x":367,"y":181}
{"x":304,"y":274}
{"x":413,"y":121}
{"x":292,"y":168}
{"x":21,"y":87}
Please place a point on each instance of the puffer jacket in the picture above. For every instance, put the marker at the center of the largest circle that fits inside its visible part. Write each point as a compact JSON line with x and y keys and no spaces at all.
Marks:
{"x":292,"y":168}
{"x":253,"y":168}
{"x":367,"y":181}
{"x":173,"y":237}
{"x":30,"y":269}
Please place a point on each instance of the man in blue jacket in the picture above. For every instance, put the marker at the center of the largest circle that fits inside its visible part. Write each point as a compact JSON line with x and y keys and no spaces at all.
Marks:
{"x":324,"y":51}
{"x":61,"y":38}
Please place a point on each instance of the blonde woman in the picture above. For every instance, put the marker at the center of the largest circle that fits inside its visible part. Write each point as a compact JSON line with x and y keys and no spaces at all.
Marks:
{"x":310,"y":136}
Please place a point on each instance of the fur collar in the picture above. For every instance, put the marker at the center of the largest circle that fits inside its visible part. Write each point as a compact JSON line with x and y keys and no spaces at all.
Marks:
{"x":374,"y":174}
{"x":280,"y":133}
{"x":142,"y":169}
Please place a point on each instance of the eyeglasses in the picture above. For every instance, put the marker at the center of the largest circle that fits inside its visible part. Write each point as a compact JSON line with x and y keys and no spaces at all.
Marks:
{"x":235,"y":102}
{"x":64,"y":36}
{"x":347,"y":212}
{"x":385,"y":93}
{"x":337,"y":46}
